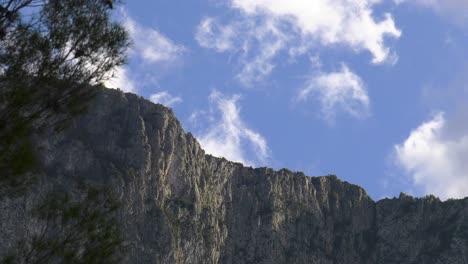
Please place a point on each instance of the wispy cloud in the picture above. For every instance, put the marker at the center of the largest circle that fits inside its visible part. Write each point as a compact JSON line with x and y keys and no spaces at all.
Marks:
{"x":265,"y":28}
{"x":434,"y":157}
{"x":227,"y":134}
{"x":257,"y":44}
{"x":340,"y":90}
{"x":210,"y":34}
{"x":151,"y":45}
{"x":165,"y":98}
{"x":150,"y":48}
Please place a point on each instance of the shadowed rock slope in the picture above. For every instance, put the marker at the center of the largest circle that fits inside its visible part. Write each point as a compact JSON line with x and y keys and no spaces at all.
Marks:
{"x":179,"y":205}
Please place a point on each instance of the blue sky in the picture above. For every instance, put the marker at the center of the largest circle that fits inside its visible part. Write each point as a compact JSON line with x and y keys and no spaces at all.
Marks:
{"x":372,"y":91}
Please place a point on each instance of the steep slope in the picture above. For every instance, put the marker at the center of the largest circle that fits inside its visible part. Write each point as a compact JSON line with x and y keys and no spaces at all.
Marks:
{"x":178,"y":205}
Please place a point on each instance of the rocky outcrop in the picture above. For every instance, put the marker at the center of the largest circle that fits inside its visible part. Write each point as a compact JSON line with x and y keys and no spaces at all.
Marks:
{"x":179,"y":205}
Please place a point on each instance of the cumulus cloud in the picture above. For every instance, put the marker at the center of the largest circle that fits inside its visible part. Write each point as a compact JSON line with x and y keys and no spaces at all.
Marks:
{"x":151,"y":45}
{"x":265,"y":28}
{"x":165,"y":98}
{"x":454,"y":10}
{"x":348,"y":22}
{"x":340,"y":90}
{"x":434,"y":157}
{"x":228,"y":136}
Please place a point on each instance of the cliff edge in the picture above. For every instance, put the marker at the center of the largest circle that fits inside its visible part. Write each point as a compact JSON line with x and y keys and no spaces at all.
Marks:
{"x":178,"y":205}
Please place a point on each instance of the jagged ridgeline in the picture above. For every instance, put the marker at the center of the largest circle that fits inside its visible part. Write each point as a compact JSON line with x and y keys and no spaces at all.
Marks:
{"x":120,"y":181}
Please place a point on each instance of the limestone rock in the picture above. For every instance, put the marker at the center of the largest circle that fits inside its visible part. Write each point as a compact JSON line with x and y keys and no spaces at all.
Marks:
{"x":179,"y":205}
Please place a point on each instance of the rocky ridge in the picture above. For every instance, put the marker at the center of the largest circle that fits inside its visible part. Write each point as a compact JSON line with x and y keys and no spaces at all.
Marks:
{"x":179,"y":205}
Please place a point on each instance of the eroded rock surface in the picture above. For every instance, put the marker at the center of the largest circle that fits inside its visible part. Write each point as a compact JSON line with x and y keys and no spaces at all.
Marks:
{"x":179,"y":205}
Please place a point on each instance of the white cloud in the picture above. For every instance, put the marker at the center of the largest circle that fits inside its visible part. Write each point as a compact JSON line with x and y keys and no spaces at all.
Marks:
{"x":228,"y":136}
{"x":210,"y":34}
{"x":257,"y":43}
{"x":348,"y":22}
{"x":165,"y":98}
{"x":267,"y":27}
{"x":271,"y":41}
{"x":121,"y":80}
{"x":151,"y":45}
{"x":454,"y":10}
{"x":434,"y":157}
{"x":341,"y":90}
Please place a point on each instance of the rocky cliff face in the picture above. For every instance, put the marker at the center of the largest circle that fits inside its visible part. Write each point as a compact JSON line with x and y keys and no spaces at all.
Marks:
{"x":179,"y":205}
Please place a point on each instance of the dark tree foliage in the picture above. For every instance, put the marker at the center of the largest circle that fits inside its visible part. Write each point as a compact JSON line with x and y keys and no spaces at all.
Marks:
{"x":73,"y":230}
{"x":9,"y":14}
{"x":51,"y":53}
{"x":72,"y":40}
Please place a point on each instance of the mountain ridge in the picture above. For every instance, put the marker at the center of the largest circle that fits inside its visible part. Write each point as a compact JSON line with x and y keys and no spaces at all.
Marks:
{"x":179,"y":205}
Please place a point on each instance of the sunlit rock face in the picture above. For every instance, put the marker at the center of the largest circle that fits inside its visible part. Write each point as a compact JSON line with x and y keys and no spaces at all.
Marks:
{"x":178,"y":205}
